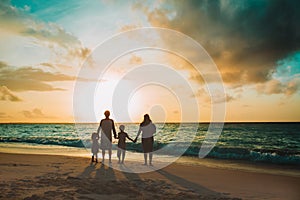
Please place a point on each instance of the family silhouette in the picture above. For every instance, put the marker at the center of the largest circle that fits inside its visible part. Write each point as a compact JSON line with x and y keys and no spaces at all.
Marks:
{"x":107,"y":128}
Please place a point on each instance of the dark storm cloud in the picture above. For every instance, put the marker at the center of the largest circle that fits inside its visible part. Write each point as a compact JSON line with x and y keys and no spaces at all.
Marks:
{"x":245,"y":38}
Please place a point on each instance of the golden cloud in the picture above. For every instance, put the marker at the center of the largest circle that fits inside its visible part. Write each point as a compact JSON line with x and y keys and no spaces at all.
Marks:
{"x":29,"y":78}
{"x":7,"y":95}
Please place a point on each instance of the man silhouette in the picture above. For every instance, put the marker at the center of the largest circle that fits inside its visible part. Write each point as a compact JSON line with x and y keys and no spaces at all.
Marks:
{"x":106,"y":127}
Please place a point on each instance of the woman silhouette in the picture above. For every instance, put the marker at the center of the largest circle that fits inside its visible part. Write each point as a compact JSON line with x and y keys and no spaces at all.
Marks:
{"x":148,"y":129}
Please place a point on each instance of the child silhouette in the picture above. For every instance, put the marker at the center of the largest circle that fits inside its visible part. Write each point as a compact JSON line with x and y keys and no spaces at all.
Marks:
{"x":122,"y":143}
{"x":95,"y":146}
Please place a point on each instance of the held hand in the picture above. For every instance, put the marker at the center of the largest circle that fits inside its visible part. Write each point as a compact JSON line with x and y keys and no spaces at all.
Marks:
{"x":135,"y":140}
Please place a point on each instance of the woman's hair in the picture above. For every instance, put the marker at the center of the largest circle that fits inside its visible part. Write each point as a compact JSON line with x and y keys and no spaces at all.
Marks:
{"x":146,"y":120}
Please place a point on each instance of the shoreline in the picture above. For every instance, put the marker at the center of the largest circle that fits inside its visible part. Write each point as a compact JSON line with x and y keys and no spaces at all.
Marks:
{"x":241,"y":165}
{"x":34,"y":176}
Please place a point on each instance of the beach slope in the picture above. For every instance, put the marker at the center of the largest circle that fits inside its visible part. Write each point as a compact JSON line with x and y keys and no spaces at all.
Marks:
{"x":25,"y":176}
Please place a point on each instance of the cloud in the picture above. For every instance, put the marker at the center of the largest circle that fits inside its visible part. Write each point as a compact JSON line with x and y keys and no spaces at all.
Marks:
{"x":55,"y":66}
{"x":7,"y":95}
{"x":246,"y":106}
{"x":216,"y":97}
{"x":135,"y":60}
{"x":3,"y":115}
{"x":244,"y":38}
{"x":19,"y":22}
{"x":35,"y":113}
{"x":29,"y":78}
{"x":199,"y":78}
{"x":229,"y":98}
{"x":276,"y":87}
{"x":129,"y":27}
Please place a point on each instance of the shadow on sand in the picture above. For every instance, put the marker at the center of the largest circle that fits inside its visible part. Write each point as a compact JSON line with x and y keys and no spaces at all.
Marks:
{"x":160,"y":184}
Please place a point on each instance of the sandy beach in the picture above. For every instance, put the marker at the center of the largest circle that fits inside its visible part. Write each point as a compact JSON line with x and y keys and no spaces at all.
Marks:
{"x":28,"y":176}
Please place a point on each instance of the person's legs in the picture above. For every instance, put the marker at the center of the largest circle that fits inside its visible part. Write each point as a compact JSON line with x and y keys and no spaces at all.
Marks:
{"x":119,"y":154}
{"x":150,"y":158}
{"x":103,"y":155}
{"x":93,"y":158}
{"x":109,"y":154}
{"x":145,"y":158}
{"x":123,"y":155}
{"x":96,"y":155}
{"x":151,"y":141}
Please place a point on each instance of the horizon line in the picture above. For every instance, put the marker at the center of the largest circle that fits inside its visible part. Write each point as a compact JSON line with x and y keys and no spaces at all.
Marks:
{"x":159,"y":122}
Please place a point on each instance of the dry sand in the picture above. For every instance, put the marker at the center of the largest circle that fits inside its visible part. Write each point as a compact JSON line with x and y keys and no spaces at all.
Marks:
{"x":24,"y":176}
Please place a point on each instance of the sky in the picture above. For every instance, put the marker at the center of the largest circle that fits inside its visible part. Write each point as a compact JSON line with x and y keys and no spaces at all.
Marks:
{"x":52,"y":56}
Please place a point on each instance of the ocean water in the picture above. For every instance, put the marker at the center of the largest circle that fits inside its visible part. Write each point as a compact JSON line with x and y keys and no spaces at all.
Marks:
{"x":255,"y":142}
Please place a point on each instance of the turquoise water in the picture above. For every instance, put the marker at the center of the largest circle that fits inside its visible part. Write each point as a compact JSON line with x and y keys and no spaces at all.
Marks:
{"x":256,"y":142}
